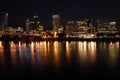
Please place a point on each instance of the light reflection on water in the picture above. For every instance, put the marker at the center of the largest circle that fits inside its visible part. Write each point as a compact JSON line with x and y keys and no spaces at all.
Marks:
{"x":68,"y":54}
{"x":1,"y":54}
{"x":57,"y":54}
{"x":113,"y":53}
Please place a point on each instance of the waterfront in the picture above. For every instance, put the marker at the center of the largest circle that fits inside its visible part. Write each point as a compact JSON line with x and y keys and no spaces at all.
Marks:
{"x":58,"y":60}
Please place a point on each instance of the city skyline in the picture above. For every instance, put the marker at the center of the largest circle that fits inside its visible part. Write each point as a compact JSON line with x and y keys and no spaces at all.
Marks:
{"x":19,"y":11}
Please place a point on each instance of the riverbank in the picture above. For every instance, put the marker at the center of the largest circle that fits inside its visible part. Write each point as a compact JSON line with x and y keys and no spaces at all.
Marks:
{"x":77,"y":39}
{"x":59,"y":39}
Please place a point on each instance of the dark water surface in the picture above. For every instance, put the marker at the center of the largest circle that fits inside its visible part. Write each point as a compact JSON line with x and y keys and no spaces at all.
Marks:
{"x":59,"y":60}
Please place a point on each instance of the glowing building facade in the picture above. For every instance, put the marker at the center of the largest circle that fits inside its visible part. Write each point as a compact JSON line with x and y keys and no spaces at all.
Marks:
{"x":103,"y":26}
{"x":113,"y":27}
{"x":71,"y":28}
{"x":57,"y":25}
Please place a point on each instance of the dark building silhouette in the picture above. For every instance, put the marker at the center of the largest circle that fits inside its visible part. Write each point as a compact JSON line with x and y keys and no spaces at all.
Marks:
{"x":4,"y":23}
{"x":27,"y":25}
{"x":34,"y":22}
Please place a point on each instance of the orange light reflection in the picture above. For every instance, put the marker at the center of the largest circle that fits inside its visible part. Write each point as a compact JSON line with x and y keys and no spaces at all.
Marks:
{"x":92,"y":51}
{"x":56,"y":54}
{"x":82,"y":52}
{"x":13,"y":52}
{"x":43,"y":52}
{"x":68,"y":51}
{"x":1,"y":53}
{"x":113,"y":52}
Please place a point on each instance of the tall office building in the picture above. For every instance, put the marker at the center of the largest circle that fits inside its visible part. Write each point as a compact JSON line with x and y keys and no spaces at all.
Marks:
{"x":71,"y":27}
{"x":82,"y":26}
{"x":34,"y":22}
{"x":57,"y":25}
{"x":103,"y":26}
{"x":112,"y":27}
{"x":27,"y":25}
{"x":90,"y":29}
{"x":4,"y":23}
{"x":85,"y":28}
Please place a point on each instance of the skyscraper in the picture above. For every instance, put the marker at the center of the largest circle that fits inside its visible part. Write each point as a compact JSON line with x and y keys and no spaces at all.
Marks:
{"x":71,"y":27}
{"x":4,"y":23}
{"x":112,"y":26}
{"x":57,"y":25}
{"x":27,"y":25}
{"x":34,"y":22}
{"x":103,"y":25}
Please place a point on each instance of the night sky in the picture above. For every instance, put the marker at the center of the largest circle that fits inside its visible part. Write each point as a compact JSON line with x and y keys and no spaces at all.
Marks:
{"x":20,"y":10}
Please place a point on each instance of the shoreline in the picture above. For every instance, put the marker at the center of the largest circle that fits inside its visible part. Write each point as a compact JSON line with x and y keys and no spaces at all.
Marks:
{"x":59,"y":39}
{"x":78,"y":39}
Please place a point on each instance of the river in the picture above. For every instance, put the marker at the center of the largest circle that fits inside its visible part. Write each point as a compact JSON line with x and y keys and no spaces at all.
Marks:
{"x":58,"y":60}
